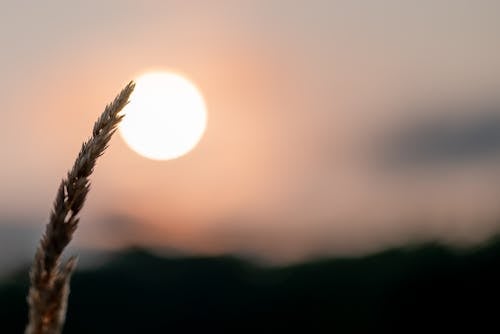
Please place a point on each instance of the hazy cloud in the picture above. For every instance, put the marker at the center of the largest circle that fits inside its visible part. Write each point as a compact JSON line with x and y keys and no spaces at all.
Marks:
{"x":451,"y":138}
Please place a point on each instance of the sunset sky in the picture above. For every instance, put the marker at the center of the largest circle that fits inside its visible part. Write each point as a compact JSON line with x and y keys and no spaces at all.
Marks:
{"x":334,"y":127}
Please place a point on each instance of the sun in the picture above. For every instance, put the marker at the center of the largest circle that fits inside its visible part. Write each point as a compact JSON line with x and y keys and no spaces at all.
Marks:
{"x":165,"y":118}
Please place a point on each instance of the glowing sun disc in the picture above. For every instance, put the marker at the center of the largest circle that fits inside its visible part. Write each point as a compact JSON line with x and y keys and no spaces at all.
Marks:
{"x":165,"y":118}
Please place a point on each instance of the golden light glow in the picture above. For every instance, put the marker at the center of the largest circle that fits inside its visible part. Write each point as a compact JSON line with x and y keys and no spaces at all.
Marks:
{"x":165,"y":118}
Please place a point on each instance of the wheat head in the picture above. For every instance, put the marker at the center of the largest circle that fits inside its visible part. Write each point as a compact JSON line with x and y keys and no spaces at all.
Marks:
{"x":49,"y":278}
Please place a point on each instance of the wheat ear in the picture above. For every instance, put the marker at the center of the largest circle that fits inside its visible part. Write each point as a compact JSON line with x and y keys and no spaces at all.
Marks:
{"x":49,"y":288}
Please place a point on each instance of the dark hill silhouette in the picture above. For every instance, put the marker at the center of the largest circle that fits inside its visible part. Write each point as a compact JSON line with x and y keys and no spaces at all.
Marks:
{"x":428,"y":288}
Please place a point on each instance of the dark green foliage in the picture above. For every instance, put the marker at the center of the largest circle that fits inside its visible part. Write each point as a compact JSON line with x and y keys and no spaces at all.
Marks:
{"x":425,"y":289}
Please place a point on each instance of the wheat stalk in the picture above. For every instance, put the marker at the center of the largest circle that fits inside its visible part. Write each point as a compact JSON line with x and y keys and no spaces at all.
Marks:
{"x":49,"y":289}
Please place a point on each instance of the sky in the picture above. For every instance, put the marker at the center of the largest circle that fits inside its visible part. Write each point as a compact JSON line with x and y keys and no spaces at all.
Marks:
{"x":334,"y":127}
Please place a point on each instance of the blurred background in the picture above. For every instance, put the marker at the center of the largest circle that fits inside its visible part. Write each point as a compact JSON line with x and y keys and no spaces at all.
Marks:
{"x":348,"y":179}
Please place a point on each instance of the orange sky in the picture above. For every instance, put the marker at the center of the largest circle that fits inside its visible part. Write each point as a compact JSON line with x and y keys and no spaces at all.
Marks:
{"x":297,"y":93}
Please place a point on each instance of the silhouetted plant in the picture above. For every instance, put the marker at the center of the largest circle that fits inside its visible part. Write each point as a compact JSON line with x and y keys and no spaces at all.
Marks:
{"x":49,"y":289}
